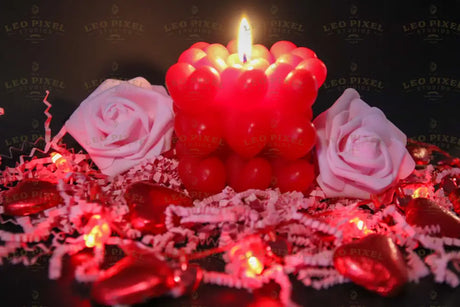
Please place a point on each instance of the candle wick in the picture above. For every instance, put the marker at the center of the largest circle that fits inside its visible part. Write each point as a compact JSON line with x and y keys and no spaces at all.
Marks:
{"x":245,"y":58}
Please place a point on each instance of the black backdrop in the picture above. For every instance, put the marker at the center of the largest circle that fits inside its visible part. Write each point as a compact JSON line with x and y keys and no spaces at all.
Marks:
{"x":402,"y":56}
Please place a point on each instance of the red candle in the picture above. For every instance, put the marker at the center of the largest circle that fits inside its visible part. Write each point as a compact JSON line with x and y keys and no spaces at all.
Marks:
{"x":246,"y":100}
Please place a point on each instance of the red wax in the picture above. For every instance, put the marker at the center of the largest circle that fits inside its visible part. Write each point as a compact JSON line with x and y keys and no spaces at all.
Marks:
{"x":245,"y":114}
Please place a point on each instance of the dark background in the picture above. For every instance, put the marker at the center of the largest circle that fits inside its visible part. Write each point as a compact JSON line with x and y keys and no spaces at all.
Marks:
{"x":402,"y":56}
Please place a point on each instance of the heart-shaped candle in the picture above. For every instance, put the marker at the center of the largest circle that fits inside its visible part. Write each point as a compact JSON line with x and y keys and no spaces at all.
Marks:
{"x":31,"y":196}
{"x":147,"y":202}
{"x":373,"y":262}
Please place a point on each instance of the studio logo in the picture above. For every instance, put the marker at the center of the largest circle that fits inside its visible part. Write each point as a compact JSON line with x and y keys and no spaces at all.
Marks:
{"x":194,"y":27}
{"x":433,"y":85}
{"x":433,"y":123}
{"x":34,"y":28}
{"x":356,"y":80}
{"x":353,"y":29}
{"x":32,"y":136}
{"x":279,"y":27}
{"x":432,"y":29}
{"x":91,"y":85}
{"x":448,"y":142}
{"x":34,"y":85}
{"x":113,"y":27}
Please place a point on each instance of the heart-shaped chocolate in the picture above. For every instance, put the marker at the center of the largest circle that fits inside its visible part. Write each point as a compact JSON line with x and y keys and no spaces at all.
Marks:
{"x":425,"y":212}
{"x":147,"y":202}
{"x":454,"y":198}
{"x":373,"y":262}
{"x":133,"y":280}
{"x":31,"y":196}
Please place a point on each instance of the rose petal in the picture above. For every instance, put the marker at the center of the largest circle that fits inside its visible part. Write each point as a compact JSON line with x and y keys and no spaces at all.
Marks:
{"x":340,"y":105}
{"x":359,"y":152}
{"x":358,"y":107}
{"x":123,"y":123}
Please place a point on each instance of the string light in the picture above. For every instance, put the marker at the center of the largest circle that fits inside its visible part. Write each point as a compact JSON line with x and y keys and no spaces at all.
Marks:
{"x":249,"y":256}
{"x":60,"y":162}
{"x":255,"y":266}
{"x":360,"y":225}
{"x":421,"y":192}
{"x":99,"y":233}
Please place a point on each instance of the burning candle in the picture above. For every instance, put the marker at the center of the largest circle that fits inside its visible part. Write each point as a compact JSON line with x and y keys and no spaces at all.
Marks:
{"x":255,"y":101}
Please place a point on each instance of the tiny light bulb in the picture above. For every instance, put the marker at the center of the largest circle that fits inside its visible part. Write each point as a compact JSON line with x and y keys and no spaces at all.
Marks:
{"x":60,"y":162}
{"x":99,"y":233}
{"x":420,"y":192}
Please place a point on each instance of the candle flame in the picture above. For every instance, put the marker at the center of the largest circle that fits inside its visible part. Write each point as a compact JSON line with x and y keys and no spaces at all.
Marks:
{"x":244,"y":41}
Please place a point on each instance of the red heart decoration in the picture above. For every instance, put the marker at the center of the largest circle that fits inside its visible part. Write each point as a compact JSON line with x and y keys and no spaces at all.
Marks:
{"x":202,"y":177}
{"x":147,"y":202}
{"x":244,"y":174}
{"x":373,"y":262}
{"x":31,"y":196}
{"x":424,"y":212}
{"x":133,"y":280}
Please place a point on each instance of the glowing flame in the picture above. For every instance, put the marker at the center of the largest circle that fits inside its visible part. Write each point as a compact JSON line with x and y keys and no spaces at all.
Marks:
{"x":244,"y":41}
{"x":421,"y":192}
{"x":60,"y":162}
{"x":99,"y":232}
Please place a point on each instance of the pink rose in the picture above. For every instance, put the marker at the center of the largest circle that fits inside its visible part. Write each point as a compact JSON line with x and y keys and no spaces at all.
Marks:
{"x":123,"y":123}
{"x":360,"y":152}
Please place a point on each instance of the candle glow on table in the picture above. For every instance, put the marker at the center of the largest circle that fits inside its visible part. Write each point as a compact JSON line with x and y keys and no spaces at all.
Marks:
{"x":243,"y":114}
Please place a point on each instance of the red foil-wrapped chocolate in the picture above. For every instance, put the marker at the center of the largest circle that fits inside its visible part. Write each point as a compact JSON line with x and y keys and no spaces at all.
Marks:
{"x":147,"y":202}
{"x":454,"y":198}
{"x":373,"y":262}
{"x":31,"y":196}
{"x":425,"y":212}
{"x":133,"y":280}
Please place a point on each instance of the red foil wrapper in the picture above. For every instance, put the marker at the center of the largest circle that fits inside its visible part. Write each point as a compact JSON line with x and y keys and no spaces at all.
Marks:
{"x":373,"y":262}
{"x":31,"y":196}
{"x":133,"y":280}
{"x":425,"y":212}
{"x":147,"y":203}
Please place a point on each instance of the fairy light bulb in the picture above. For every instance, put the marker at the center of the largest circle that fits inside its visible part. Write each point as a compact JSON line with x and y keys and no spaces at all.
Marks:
{"x":360,"y":225}
{"x":249,"y":257}
{"x":99,"y":233}
{"x":421,"y":192}
{"x":61,"y":163}
{"x":255,"y":266}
